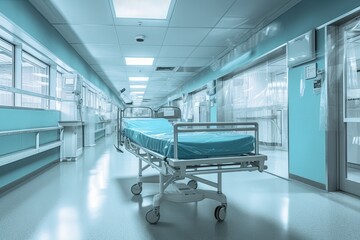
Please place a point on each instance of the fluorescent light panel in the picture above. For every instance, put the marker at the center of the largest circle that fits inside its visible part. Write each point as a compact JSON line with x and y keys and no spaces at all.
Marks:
{"x":137,"y":92}
{"x":146,"y":9}
{"x":140,"y":79}
{"x":137,"y":86}
{"x":139,"y":61}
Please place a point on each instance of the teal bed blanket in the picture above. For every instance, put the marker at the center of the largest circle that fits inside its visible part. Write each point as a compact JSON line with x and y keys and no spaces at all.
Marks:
{"x":156,"y":134}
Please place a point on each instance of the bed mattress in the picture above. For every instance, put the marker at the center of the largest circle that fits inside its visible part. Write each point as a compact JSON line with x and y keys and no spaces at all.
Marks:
{"x":156,"y":134}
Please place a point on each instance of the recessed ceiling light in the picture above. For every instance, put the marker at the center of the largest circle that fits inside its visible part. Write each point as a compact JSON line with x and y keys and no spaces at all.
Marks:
{"x":146,"y":9}
{"x":137,"y":92}
{"x":140,"y":79}
{"x":137,"y":86}
{"x":139,"y":61}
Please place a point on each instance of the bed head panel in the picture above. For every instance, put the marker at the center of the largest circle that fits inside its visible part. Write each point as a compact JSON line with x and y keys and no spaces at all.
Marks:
{"x":168,"y":112}
{"x":137,"y":112}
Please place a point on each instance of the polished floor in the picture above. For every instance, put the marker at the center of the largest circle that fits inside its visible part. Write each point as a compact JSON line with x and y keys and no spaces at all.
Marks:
{"x":277,"y":162}
{"x":91,"y":199}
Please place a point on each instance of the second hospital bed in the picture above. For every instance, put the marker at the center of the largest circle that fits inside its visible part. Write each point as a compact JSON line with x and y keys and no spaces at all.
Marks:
{"x":187,"y":150}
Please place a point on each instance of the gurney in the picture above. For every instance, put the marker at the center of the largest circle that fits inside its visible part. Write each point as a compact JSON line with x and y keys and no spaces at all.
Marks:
{"x":181,"y":151}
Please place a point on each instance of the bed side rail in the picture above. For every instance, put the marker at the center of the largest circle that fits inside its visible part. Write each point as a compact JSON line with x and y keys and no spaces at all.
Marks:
{"x":216,"y":127}
{"x":131,"y":112}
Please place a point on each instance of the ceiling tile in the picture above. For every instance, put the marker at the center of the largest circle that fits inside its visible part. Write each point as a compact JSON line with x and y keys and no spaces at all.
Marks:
{"x":93,"y":34}
{"x":169,"y":62}
{"x":112,"y":67}
{"x":185,"y":36}
{"x":117,"y":60}
{"x":153,"y":35}
{"x":83,"y":11}
{"x":184,"y":74}
{"x":190,"y":13}
{"x":116,"y":76}
{"x":223,"y":37}
{"x":162,"y":74}
{"x":140,"y":50}
{"x":197,"y":62}
{"x":120,"y":83}
{"x":256,"y":11}
{"x":140,"y":69}
{"x":207,"y":52}
{"x":231,"y":22}
{"x":175,"y":52}
{"x":98,"y":50}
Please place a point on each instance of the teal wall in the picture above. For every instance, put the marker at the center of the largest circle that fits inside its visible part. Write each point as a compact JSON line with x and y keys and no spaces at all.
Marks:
{"x":306,"y":137}
{"x":17,"y":119}
{"x":24,"y":15}
{"x":20,"y":118}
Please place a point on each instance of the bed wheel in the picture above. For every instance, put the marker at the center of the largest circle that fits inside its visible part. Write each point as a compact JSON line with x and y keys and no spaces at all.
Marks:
{"x":192,"y":184}
{"x":152,"y":216}
{"x":220,"y":213}
{"x":136,"y":189}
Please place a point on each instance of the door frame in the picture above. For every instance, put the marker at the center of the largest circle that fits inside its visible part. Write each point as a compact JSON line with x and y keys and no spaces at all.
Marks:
{"x":336,"y":148}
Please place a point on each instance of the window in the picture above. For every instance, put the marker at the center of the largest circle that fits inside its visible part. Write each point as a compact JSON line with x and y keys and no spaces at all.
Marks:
{"x":58,"y":89}
{"x":83,"y":95}
{"x":35,"y":78}
{"x":6,"y":72}
{"x":91,"y":99}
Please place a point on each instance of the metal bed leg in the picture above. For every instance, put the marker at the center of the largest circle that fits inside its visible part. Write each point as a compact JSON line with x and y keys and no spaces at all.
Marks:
{"x":220,"y":211}
{"x":153,"y":215}
{"x":136,"y":189}
{"x":219,"y":181}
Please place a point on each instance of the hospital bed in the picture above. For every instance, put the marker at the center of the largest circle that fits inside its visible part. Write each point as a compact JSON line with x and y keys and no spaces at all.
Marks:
{"x":182,"y":150}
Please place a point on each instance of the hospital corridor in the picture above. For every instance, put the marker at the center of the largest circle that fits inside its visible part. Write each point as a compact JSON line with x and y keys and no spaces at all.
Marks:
{"x":179,"y":119}
{"x":91,"y":199}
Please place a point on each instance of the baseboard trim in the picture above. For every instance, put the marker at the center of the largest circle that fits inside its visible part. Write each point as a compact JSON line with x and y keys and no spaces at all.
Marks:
{"x":20,"y":181}
{"x":308,"y":181}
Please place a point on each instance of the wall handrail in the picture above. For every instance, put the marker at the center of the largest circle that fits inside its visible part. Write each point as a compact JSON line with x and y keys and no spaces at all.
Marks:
{"x":18,"y":155}
{"x":29,"y":130}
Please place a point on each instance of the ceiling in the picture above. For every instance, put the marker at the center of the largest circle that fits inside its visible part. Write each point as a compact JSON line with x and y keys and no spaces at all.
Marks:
{"x":196,"y":33}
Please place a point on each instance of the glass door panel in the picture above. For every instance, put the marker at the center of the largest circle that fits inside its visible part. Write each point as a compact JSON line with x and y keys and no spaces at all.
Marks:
{"x":350,"y":124}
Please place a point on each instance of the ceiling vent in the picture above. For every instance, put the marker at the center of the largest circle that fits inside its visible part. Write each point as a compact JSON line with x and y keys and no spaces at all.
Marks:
{"x":165,"y":69}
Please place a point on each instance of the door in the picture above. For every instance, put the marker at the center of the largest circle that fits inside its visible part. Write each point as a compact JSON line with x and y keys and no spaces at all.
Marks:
{"x":350,"y":110}
{"x":204,"y":112}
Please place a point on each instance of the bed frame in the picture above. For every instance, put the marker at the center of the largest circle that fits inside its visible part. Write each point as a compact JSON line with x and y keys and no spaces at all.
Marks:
{"x":171,"y":170}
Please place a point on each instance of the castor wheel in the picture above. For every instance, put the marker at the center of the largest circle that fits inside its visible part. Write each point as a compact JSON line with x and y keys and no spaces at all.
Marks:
{"x":136,"y":189}
{"x":152,"y":216}
{"x":220,"y":213}
{"x":192,"y":184}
